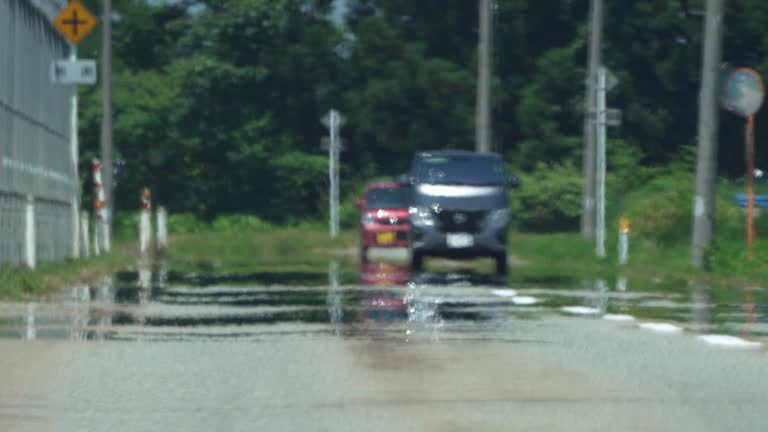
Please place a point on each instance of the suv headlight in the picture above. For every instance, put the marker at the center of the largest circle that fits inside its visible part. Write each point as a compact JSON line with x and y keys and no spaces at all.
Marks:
{"x":500,"y":217}
{"x":421,"y":216}
{"x":367,"y":218}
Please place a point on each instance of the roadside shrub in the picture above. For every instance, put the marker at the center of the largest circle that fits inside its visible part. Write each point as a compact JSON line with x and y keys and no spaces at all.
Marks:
{"x":240,"y":222}
{"x":349,"y":214}
{"x":125,"y":226}
{"x":625,"y":170}
{"x":549,"y":199}
{"x":184,"y":223}
{"x":661,"y":211}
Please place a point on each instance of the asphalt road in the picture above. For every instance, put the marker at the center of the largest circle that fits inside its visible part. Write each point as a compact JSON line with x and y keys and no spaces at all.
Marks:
{"x":429,"y":357}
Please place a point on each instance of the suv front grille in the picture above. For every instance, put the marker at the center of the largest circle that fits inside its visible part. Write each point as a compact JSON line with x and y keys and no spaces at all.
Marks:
{"x":461,"y":221}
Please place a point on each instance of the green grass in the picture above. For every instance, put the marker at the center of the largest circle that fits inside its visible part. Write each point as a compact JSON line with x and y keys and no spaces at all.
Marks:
{"x":302,"y":248}
{"x":554,"y":258}
{"x":549,"y":257}
{"x":18,"y":283}
{"x":569,"y":256}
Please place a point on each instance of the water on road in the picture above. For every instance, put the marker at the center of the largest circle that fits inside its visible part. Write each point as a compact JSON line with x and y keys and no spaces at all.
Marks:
{"x":450,"y":351}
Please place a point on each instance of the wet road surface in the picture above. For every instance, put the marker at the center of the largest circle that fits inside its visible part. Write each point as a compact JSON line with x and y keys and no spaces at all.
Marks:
{"x":428,"y":352}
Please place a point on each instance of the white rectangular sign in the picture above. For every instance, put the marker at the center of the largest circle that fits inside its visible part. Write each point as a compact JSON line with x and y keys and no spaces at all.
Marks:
{"x":73,"y":72}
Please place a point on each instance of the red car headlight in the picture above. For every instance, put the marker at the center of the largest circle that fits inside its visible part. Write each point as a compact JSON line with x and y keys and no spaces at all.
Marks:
{"x":367,"y":218}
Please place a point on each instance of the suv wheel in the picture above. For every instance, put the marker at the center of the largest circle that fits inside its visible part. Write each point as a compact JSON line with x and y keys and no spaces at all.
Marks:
{"x":501,"y":263}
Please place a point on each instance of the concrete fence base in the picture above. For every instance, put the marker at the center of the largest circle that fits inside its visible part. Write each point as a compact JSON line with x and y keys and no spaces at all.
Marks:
{"x":30,"y":240}
{"x":85,"y":234}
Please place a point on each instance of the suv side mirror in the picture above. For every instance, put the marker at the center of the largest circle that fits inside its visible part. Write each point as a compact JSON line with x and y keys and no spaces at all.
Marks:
{"x":359,"y":203}
{"x":513,"y":182}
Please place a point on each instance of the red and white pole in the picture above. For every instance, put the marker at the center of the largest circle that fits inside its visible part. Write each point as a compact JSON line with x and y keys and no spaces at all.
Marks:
{"x":99,"y":231}
{"x":145,"y":225}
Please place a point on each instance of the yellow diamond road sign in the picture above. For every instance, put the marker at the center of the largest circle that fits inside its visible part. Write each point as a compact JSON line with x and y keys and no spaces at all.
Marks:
{"x":75,"y":22}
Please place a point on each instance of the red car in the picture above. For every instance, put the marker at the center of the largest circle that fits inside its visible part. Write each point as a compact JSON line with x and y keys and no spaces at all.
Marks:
{"x":384,"y":219}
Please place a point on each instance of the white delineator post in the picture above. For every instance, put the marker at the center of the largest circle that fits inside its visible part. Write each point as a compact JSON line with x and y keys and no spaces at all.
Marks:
{"x":600,"y":192}
{"x":85,"y":234}
{"x":145,"y":223}
{"x":624,"y":242}
{"x":162,"y":228}
{"x":99,"y":230}
{"x":30,"y":250}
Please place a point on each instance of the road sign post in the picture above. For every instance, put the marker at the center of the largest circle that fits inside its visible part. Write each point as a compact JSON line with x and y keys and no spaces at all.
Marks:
{"x":742,"y":93}
{"x":333,"y":121}
{"x":602,"y":117}
{"x":74,"y":22}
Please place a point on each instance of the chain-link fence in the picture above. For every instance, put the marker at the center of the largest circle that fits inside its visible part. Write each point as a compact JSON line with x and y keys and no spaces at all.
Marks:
{"x":35,"y":151}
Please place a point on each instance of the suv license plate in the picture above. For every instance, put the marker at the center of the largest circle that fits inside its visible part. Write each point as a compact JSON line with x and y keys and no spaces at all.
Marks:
{"x":460,"y":240}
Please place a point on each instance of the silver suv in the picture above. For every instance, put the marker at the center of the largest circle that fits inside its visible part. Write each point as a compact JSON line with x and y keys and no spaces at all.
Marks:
{"x":459,"y":206}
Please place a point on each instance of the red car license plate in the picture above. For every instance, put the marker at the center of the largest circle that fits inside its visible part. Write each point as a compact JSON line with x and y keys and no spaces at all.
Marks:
{"x":385,"y":237}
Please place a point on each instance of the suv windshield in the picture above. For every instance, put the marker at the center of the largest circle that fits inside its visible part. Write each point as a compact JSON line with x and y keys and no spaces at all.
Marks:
{"x":460,"y":170}
{"x":386,"y":198}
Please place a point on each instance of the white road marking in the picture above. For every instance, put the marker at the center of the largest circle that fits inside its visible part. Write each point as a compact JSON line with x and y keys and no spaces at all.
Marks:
{"x":504,"y":292}
{"x":728,"y":341}
{"x":661,"y":327}
{"x":580,"y":310}
{"x":618,"y":317}
{"x":524,"y":300}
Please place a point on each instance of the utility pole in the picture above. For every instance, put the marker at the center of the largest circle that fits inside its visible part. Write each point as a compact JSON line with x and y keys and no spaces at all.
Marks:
{"x":106,"y":117}
{"x":589,"y":157}
{"x":706,"y":161}
{"x":333,"y":121}
{"x":601,"y":125}
{"x":333,"y":168}
{"x":484,"y":126}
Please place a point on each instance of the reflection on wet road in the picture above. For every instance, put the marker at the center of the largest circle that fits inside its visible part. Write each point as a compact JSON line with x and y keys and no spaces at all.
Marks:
{"x":155,"y":305}
{"x":390,"y":350}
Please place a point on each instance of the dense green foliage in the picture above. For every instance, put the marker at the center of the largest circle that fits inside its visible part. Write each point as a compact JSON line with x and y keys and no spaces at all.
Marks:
{"x":550,"y":198}
{"x":217,"y":102}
